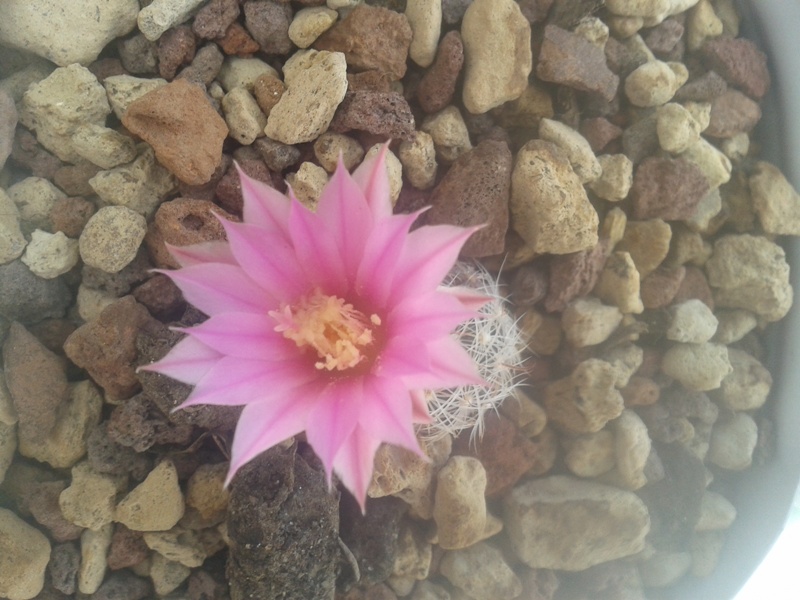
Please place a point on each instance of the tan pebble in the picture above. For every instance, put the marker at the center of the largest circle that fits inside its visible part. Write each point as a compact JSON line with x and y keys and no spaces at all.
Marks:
{"x":711,"y":161}
{"x":699,"y":367}
{"x":419,"y":160}
{"x":316,"y":83}
{"x":564,"y":523}
{"x":34,"y":198}
{"x":736,"y":147}
{"x":708,"y":209}
{"x":578,"y":151}
{"x":167,"y":575}
{"x":631,"y":449}
{"x":647,"y":242}
{"x":94,"y":547}
{"x":616,"y":178}
{"x":702,"y":23}
{"x":111,"y":238}
{"x":412,"y":560}
{"x":243,"y":72}
{"x":497,"y":53}
{"x":619,"y":283}
{"x":676,"y":128}
{"x":425,"y":18}
{"x":122,"y":90}
{"x":750,"y":272}
{"x":586,"y":400}
{"x":205,"y":492}
{"x":329,"y":146}
{"x":651,"y":84}
{"x":541,"y":333}
{"x":459,"y":506}
{"x":549,"y":206}
{"x":90,"y":499}
{"x":448,"y":132}
{"x":748,"y":386}
{"x":26,"y":552}
{"x":624,"y":27}
{"x":587,"y":322}
{"x":626,"y":360}
{"x":775,"y":200}
{"x":245,"y":120}
{"x":394,"y":169}
{"x":183,"y":546}
{"x":307,"y":183}
{"x":614,"y":225}
{"x":525,"y":412}
{"x":140,"y":185}
{"x":591,"y":454}
{"x":706,"y":548}
{"x":102,"y":146}
{"x":733,"y":325}
{"x":310,"y":23}
{"x":156,"y":504}
{"x":593,"y":30}
{"x":732,"y":442}
{"x":640,"y":391}
{"x":638,"y":8}
{"x":664,"y":568}
{"x":483,"y":571}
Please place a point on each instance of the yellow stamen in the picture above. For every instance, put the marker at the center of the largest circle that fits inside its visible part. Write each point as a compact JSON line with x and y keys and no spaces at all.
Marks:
{"x":338,"y":332}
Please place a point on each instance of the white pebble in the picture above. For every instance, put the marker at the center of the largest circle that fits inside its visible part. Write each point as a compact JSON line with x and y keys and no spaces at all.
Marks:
{"x":310,"y":23}
{"x":425,"y":18}
{"x":692,"y":322}
{"x":676,"y":128}
{"x":394,"y":170}
{"x":733,"y":441}
{"x":307,"y":183}
{"x":49,"y":255}
{"x":587,"y":322}
{"x":102,"y":146}
{"x":419,"y":160}
{"x":577,"y":149}
{"x":616,"y":178}
{"x":12,"y":242}
{"x":449,"y":133}
{"x":242,"y":72}
{"x":35,"y":197}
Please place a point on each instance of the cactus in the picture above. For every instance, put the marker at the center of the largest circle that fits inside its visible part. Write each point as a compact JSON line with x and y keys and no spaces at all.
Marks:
{"x":494,"y":343}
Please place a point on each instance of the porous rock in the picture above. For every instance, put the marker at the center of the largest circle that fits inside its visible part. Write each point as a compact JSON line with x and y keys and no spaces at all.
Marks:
{"x":549,"y":206}
{"x":563,"y":523}
{"x":497,"y":50}
{"x":481,"y":572}
{"x":156,"y":504}
{"x":459,"y":507}
{"x":475,"y":191}
{"x":26,"y":552}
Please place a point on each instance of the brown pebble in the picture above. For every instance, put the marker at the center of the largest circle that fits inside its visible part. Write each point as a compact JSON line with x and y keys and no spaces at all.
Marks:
{"x":69,"y":215}
{"x":27,"y":152}
{"x":662,"y":38}
{"x":106,"y":347}
{"x":229,"y":188}
{"x":667,"y":188}
{"x":640,"y":391}
{"x":505,"y":453}
{"x":213,"y":19}
{"x":237,"y":41}
{"x":574,"y":275}
{"x":160,"y":296}
{"x":183,"y":222}
{"x":74,"y":179}
{"x":106,"y":67}
{"x":268,"y":90}
{"x":702,"y":89}
{"x":694,"y":285}
{"x":185,"y":131}
{"x":37,"y":381}
{"x":127,"y":549}
{"x":529,"y":284}
{"x":268,"y":22}
{"x":732,"y":113}
{"x":658,"y":289}
{"x":599,"y":132}
{"x":475,"y":191}
{"x":371,"y":81}
{"x":175,"y":48}
{"x":740,"y":63}
{"x":206,"y":191}
{"x":43,"y":504}
{"x":436,"y":89}
{"x":569,"y":59}
{"x":52,"y":333}
{"x":277,"y":156}
{"x":387,"y":115}
{"x":205,"y":66}
{"x":370,"y":37}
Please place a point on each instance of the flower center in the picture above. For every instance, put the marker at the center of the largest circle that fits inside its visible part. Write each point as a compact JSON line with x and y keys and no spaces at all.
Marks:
{"x":339,"y":333}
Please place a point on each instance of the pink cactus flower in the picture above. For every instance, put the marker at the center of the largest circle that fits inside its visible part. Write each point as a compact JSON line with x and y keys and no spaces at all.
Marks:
{"x":331,"y":322}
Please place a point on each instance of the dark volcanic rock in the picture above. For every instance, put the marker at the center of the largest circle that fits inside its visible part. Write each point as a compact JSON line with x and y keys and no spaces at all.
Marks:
{"x":740,"y":63}
{"x":283,"y":525}
{"x":26,"y":298}
{"x":379,"y":113}
{"x":436,"y":89}
{"x":371,"y":537}
{"x":667,"y":188}
{"x":65,"y":560}
{"x":475,"y":191}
